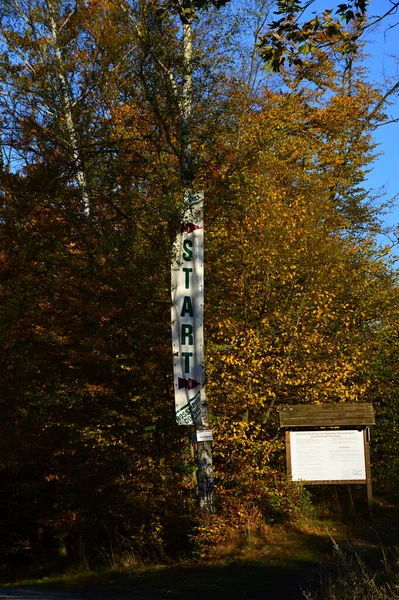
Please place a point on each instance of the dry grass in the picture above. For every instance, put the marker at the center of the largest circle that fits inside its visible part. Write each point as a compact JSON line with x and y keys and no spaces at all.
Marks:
{"x":350,"y":578}
{"x":320,"y":556}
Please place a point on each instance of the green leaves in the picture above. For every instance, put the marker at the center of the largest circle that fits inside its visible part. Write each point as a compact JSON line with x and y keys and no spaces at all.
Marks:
{"x":288,"y":41}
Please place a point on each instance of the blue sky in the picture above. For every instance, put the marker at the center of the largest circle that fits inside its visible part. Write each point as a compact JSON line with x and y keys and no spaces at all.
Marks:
{"x":382,"y":46}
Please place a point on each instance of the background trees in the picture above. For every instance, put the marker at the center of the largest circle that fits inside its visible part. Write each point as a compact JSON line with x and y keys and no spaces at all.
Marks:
{"x":298,"y":289}
{"x":300,"y":305}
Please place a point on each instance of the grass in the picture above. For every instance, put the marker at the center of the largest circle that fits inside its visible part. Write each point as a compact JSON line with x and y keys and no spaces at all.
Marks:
{"x":234,"y":580}
{"x":283,"y":562}
{"x":353,"y":579}
{"x":287,"y":562}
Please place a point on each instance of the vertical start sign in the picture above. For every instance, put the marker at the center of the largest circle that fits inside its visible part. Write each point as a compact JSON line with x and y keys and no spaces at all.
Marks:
{"x":188,"y":313}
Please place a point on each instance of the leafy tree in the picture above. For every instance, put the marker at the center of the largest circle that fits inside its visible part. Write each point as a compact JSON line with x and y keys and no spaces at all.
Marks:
{"x":288,"y":39}
{"x":85,"y":321}
{"x":298,"y":290}
{"x":97,"y":151}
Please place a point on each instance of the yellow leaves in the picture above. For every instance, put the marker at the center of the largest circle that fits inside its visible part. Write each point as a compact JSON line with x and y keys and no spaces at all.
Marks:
{"x":74,"y":249}
{"x":308,"y":343}
{"x":52,"y":477}
{"x":296,"y":300}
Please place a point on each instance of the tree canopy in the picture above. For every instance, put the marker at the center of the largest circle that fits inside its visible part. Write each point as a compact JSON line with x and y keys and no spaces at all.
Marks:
{"x":300,"y":301}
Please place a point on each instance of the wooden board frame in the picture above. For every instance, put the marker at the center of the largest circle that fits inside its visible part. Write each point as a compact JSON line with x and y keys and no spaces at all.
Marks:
{"x":328,"y":417}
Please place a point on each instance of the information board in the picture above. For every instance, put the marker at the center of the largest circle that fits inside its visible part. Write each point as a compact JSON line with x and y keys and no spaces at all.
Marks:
{"x":327,"y":456}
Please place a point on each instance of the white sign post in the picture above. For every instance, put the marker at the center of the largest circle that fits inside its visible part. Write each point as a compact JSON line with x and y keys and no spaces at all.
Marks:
{"x":188,"y":314}
{"x":188,"y":339}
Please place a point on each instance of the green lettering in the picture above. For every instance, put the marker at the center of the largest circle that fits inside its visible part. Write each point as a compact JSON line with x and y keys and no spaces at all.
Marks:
{"x":187,"y":332}
{"x":187,"y":356}
{"x":187,"y":277}
{"x":187,"y":307}
{"x":187,"y":252}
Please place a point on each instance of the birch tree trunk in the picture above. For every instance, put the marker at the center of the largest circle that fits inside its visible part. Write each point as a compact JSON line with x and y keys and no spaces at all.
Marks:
{"x":204,"y":448}
{"x":66,"y":100}
{"x":183,"y":96}
{"x":186,"y":107}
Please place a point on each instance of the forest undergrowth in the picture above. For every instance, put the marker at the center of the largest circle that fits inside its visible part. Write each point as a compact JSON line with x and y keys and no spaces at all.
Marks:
{"x":338,"y":553}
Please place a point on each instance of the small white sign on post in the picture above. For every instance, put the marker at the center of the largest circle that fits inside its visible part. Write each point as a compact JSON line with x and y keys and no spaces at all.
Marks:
{"x":202,"y":435}
{"x":334,"y":455}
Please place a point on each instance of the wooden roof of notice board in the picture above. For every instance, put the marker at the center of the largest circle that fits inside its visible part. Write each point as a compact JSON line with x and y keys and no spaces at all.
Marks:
{"x":328,"y":415}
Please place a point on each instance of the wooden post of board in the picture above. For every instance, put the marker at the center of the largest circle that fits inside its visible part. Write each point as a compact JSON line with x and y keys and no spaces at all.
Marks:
{"x":366,"y":437}
{"x":288,"y":453}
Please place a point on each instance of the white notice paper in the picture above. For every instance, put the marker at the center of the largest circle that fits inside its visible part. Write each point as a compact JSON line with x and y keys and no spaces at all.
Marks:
{"x":327,"y":455}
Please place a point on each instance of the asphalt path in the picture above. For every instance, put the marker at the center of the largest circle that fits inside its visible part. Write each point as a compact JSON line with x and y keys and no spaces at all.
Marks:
{"x":26,"y":593}
{"x":35,"y":594}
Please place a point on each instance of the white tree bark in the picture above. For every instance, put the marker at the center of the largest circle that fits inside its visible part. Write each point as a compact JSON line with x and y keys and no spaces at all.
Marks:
{"x":204,"y":448}
{"x":66,"y":100}
{"x":186,"y":107}
{"x":183,"y":95}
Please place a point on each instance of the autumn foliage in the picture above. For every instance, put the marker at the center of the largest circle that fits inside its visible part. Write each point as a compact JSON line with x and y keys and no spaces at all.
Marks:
{"x":300,"y":302}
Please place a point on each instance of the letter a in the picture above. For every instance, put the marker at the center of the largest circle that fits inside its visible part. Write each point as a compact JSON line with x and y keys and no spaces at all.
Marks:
{"x":187,"y":307}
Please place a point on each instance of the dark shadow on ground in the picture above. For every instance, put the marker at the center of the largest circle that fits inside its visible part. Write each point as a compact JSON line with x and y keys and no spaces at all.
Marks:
{"x":235,"y":581}
{"x":284,"y":565}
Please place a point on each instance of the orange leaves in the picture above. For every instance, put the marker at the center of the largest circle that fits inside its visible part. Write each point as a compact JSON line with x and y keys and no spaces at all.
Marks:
{"x":97,"y":390}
